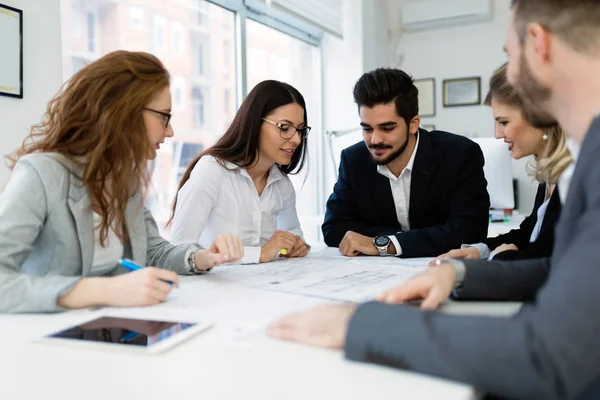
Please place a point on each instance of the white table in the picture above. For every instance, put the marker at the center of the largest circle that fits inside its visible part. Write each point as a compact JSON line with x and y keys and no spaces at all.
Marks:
{"x":205,"y":367}
{"x":500,"y":228}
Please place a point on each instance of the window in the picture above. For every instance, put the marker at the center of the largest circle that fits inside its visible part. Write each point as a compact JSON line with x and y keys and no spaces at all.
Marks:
{"x":201,"y":13}
{"x":226,"y":59}
{"x":198,"y":42}
{"x":178,"y":93}
{"x":160,"y":28}
{"x":77,"y":63}
{"x":185,"y":153}
{"x":226,"y":101}
{"x":76,"y":22}
{"x":198,"y":52}
{"x":177,"y":32}
{"x":198,"y":106}
{"x":92,"y":45}
{"x":136,"y":18}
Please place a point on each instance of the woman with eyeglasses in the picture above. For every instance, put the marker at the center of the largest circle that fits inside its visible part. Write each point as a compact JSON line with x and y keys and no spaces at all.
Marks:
{"x":241,"y":183}
{"x":73,"y":206}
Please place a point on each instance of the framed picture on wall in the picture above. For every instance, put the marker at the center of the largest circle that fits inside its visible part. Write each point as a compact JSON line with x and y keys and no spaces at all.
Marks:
{"x":11,"y":51}
{"x":426,"y":89}
{"x":428,"y":127}
{"x":462,"y":92}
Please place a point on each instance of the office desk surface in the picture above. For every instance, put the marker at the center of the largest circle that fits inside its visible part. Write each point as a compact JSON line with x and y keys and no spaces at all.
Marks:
{"x":204,"y":367}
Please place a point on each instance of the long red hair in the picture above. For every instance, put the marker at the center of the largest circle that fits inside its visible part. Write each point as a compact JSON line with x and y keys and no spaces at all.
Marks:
{"x":96,"y":121}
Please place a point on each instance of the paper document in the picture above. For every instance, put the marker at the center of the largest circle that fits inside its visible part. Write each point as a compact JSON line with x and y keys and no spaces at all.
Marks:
{"x":240,"y":300}
{"x":336,"y":278}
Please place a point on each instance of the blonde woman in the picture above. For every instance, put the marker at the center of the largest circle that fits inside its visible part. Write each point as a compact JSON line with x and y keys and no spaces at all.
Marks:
{"x":535,"y":236}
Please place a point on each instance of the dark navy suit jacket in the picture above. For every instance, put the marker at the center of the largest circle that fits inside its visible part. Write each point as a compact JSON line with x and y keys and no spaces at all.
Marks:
{"x":449,"y":202}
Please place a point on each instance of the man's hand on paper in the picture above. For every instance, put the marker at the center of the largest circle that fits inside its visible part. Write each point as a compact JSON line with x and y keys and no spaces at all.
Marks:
{"x":433,"y":286}
{"x":323,"y":326}
{"x":354,"y":244}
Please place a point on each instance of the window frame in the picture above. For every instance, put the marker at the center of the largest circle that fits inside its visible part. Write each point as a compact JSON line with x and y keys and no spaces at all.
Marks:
{"x":295,"y":27}
{"x":163,"y":31}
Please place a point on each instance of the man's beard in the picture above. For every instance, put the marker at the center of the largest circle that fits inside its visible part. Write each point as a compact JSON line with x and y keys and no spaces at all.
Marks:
{"x":392,"y":156}
{"x":534,"y":96}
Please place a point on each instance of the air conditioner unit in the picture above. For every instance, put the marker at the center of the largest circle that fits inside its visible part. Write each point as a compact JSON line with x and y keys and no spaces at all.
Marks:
{"x":433,"y":14}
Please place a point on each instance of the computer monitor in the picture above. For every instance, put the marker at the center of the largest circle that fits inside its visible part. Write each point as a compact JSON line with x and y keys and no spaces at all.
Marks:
{"x":498,"y":172}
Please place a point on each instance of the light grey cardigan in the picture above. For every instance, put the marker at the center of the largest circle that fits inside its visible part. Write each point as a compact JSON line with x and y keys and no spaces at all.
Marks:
{"x":47,"y":235}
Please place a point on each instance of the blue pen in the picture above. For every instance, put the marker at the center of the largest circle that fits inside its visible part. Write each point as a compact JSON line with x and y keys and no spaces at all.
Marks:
{"x":129,"y":336}
{"x":133,"y":266}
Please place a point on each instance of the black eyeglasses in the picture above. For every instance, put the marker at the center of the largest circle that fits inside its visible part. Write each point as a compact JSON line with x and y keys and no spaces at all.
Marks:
{"x":287,"y":131}
{"x":166,"y":117}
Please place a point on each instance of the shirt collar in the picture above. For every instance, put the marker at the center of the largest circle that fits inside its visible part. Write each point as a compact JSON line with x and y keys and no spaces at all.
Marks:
{"x":574,"y":148}
{"x":275,"y":173}
{"x":385,"y":171}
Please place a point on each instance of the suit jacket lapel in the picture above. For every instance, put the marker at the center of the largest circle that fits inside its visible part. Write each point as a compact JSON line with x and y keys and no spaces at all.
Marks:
{"x":425,"y":163}
{"x":80,"y":205}
{"x":587,"y":154}
{"x":136,"y":228}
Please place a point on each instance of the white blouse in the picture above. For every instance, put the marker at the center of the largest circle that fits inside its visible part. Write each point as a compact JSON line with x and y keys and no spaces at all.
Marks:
{"x":221,"y":199}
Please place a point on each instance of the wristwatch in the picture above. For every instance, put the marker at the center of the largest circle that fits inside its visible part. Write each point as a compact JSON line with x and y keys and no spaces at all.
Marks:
{"x":381,"y":243}
{"x":192,"y":261}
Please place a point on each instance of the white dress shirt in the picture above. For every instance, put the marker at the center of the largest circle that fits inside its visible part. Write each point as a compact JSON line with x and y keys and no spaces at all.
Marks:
{"x":221,"y":199}
{"x":485,"y":253}
{"x":565,"y":178}
{"x":401,"y":193}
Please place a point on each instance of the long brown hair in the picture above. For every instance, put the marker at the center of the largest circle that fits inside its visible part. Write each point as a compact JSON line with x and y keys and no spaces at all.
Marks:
{"x":555,"y":157}
{"x":239,"y":144}
{"x":96,"y":122}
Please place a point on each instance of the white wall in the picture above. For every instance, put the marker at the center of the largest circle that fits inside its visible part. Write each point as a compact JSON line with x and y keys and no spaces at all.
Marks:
{"x":463,"y":51}
{"x":375,"y":36}
{"x":42,"y":73}
{"x":342,"y":62}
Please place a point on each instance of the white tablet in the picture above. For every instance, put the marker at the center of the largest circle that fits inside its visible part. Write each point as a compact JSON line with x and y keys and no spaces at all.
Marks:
{"x":137,"y":335}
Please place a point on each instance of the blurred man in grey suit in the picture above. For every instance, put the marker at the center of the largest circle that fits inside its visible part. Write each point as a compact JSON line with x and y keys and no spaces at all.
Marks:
{"x":551,"y":348}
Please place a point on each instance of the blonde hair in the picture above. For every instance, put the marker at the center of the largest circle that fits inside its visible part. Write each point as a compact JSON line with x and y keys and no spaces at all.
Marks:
{"x":554,"y":160}
{"x":555,"y":157}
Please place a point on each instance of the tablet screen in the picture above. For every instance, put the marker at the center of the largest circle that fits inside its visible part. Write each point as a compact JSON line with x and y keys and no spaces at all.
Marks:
{"x":124,"y":331}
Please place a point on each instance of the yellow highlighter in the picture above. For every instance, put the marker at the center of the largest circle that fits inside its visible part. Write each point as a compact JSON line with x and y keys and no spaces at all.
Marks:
{"x":283,"y":251}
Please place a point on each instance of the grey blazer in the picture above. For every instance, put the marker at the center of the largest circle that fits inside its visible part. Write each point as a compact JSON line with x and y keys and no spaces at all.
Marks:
{"x":47,"y":235}
{"x":550,"y":350}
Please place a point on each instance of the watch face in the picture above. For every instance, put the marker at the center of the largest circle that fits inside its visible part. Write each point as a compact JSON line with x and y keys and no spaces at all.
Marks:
{"x":381,"y":241}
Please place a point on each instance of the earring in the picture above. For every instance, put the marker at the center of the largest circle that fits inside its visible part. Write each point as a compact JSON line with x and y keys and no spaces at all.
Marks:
{"x":545,"y":137}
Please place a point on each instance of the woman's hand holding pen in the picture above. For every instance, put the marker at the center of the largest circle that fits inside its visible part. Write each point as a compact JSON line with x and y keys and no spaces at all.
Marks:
{"x":280,"y":240}
{"x":225,"y":249}
{"x":300,"y":249}
{"x":144,"y":287}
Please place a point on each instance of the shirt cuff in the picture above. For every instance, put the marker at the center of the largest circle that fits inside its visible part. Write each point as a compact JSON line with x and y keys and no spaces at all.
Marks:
{"x":460,"y":270}
{"x":394,"y":240}
{"x":484,"y":250}
{"x":251,"y":255}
